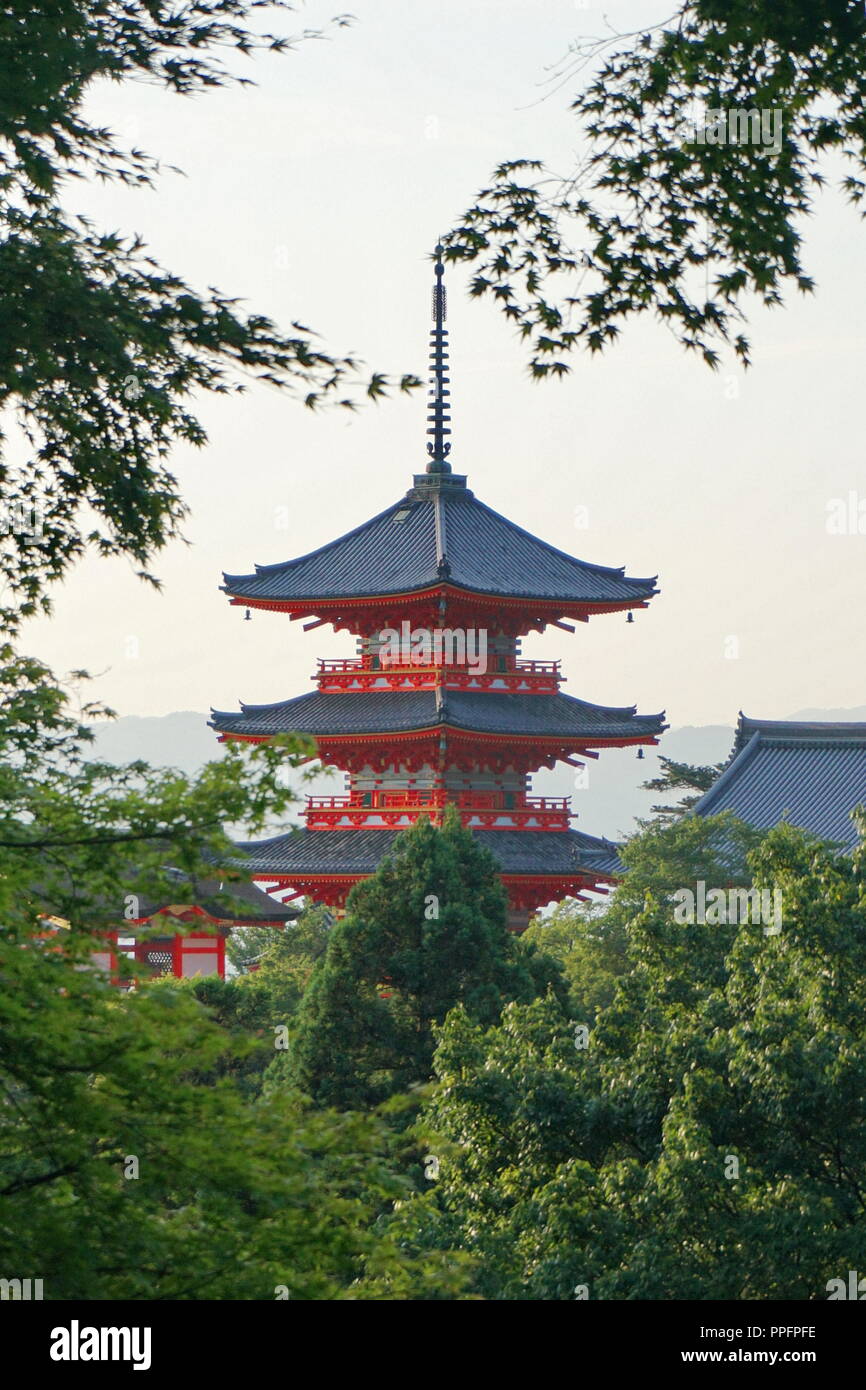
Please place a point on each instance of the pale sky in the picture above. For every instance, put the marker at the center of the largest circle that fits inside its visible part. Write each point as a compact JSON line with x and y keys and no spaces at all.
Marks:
{"x":317,"y":196}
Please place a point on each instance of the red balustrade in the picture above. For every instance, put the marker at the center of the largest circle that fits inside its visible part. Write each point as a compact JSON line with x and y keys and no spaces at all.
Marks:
{"x":360,"y":673}
{"x":394,"y":808}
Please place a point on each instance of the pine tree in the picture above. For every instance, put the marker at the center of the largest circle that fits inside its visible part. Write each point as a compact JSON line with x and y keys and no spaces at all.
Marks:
{"x":426,"y":932}
{"x":685,"y":777}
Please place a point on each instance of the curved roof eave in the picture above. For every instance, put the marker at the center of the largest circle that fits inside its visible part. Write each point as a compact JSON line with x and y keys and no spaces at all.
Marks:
{"x":424,"y":573}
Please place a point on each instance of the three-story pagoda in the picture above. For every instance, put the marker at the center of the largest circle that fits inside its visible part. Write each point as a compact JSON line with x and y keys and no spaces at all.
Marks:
{"x":438,"y":705}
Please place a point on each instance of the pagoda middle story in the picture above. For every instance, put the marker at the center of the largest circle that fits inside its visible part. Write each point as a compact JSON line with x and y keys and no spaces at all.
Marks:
{"x":438,"y":705}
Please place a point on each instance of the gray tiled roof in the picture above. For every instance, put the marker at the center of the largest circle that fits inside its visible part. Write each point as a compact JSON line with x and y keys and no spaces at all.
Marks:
{"x":224,"y":900}
{"x":360,"y":851}
{"x":232,"y":902}
{"x":810,"y":774}
{"x":439,"y":531}
{"x":383,"y":711}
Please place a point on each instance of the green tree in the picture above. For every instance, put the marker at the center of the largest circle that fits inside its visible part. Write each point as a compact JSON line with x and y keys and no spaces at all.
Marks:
{"x":427,"y":931}
{"x":100,"y":346}
{"x":85,"y":840}
{"x":706,"y":1140}
{"x":137,"y":1158}
{"x":297,"y":947}
{"x":660,"y":214}
{"x":122,"y":1177}
{"x":591,"y":949}
{"x":256,"y":1006}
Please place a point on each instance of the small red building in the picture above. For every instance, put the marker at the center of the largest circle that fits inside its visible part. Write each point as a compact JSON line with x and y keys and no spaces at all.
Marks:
{"x":187,"y":939}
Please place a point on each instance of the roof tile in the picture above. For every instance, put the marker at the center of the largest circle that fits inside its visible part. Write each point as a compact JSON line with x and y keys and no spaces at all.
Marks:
{"x":360,"y":851}
{"x":403,"y":548}
{"x":810,"y":774}
{"x":387,"y":711}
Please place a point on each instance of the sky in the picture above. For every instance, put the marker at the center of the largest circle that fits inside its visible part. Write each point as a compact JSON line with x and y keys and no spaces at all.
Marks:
{"x":316,"y":196}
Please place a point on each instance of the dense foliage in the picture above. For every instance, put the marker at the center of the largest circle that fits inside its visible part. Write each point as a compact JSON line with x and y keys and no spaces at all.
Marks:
{"x":682,"y":1121}
{"x":664,"y":213}
{"x":139,"y":1155}
{"x":705,"y":1141}
{"x":126,"y":1174}
{"x":101,"y":348}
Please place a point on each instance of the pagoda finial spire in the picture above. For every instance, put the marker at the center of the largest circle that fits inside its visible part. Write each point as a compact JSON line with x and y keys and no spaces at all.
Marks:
{"x":438,"y":414}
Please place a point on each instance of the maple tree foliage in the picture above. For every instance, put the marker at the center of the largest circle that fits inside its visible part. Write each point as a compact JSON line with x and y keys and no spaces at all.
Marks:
{"x":654,"y":219}
{"x":101,"y":347}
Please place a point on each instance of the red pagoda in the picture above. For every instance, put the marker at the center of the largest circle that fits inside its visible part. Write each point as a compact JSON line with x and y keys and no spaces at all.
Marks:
{"x":438,"y":705}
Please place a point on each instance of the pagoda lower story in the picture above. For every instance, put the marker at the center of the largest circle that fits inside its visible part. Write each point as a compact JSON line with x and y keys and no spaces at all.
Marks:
{"x":438,"y":705}
{"x":550,"y":867}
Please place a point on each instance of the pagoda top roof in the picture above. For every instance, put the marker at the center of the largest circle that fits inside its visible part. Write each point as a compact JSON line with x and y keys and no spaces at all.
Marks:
{"x":439,"y":533}
{"x":810,"y":773}
{"x":306,"y":852}
{"x":374,"y":712}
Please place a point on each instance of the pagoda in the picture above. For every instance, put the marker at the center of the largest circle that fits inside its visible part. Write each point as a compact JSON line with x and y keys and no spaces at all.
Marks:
{"x":438,"y":706}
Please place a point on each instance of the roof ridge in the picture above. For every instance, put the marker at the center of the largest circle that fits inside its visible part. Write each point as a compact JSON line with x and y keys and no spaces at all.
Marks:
{"x":443,"y":569}
{"x":803,"y":729}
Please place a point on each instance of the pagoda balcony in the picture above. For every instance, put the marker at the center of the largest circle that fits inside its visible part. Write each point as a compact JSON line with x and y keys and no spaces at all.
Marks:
{"x":394,"y":810}
{"x":504,"y":673}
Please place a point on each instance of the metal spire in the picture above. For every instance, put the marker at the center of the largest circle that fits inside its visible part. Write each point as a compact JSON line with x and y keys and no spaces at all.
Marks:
{"x":438,"y":416}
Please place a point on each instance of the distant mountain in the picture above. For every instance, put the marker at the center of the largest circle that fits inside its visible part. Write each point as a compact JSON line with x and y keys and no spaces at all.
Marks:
{"x":179,"y":740}
{"x":608,"y":798}
{"x":185,"y":742}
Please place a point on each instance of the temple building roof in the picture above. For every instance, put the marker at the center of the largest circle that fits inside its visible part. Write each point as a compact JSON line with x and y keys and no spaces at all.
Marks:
{"x":238,"y":902}
{"x":810,"y":774}
{"x":390,"y":711}
{"x":317,"y":852}
{"x":439,"y":533}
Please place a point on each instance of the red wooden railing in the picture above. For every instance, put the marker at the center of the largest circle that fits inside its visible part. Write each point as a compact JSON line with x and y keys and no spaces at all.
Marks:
{"x":393,"y":807}
{"x":512,"y":666}
{"x":418,"y":800}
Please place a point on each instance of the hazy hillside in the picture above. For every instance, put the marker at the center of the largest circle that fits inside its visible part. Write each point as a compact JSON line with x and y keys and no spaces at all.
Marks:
{"x":180,"y":740}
